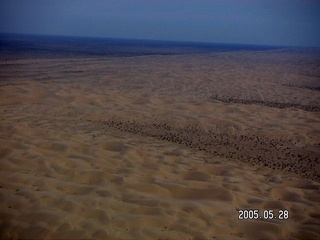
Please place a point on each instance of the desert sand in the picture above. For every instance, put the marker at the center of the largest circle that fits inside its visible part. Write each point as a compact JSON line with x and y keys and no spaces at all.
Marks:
{"x":160,"y":147}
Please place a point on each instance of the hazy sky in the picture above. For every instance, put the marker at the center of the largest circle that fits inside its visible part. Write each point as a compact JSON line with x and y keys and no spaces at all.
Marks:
{"x":275,"y":22}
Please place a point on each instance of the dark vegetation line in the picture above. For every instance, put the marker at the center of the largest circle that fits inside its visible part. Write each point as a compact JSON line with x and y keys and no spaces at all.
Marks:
{"x":303,"y":87}
{"x":309,"y":108}
{"x":313,"y":75}
{"x":277,"y":154}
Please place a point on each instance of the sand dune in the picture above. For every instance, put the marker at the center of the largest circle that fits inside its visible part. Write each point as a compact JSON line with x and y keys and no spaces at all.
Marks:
{"x":136,"y":148}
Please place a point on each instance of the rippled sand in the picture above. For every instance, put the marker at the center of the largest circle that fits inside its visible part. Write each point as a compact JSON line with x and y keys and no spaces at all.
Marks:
{"x":160,"y":147}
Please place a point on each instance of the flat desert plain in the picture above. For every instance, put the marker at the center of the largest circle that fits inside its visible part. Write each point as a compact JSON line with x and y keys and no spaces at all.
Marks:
{"x":161,"y":147}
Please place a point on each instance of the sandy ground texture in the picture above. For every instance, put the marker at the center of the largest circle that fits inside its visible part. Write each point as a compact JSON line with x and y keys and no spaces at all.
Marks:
{"x":160,"y":147}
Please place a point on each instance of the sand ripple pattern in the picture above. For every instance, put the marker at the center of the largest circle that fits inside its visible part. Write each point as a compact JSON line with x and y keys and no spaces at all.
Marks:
{"x":140,"y":188}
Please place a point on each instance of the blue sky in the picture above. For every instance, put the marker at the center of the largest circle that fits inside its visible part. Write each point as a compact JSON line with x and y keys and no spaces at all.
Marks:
{"x":270,"y":22}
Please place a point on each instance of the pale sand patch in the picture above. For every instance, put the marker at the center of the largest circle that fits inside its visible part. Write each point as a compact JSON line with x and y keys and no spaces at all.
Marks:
{"x":89,"y":151}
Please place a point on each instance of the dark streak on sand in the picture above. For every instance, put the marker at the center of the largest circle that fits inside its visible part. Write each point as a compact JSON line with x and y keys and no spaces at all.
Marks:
{"x":303,"y":87}
{"x":277,"y":154}
{"x":280,"y":105}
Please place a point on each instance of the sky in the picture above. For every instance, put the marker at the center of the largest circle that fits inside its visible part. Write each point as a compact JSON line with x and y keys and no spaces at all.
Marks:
{"x":266,"y":22}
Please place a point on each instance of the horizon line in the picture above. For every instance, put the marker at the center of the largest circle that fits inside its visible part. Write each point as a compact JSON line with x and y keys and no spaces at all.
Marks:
{"x":158,"y":40}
